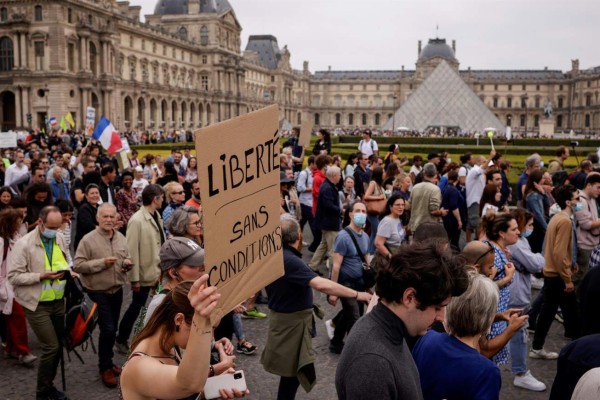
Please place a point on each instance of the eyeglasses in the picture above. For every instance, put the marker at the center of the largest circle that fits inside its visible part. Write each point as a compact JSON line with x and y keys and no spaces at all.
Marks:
{"x":197,"y":223}
{"x":177,"y":192}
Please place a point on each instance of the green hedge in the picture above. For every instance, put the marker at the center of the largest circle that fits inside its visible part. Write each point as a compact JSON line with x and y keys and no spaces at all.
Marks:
{"x":467,"y":141}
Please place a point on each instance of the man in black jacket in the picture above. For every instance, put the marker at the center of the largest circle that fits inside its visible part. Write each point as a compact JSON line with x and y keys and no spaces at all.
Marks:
{"x":107,"y":188}
{"x":414,"y":290}
{"x":328,"y":216}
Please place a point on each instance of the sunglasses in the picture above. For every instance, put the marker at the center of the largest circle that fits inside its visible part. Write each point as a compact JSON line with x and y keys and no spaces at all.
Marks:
{"x":177,"y":192}
{"x":481,"y":257}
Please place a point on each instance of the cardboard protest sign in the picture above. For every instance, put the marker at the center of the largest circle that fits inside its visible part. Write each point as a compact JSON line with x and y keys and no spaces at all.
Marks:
{"x":305,"y":131}
{"x":90,"y":119}
{"x":238,"y":170}
{"x":8,"y":139}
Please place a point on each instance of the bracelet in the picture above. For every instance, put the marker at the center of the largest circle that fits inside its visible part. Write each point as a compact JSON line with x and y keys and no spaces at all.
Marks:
{"x":356,"y":295}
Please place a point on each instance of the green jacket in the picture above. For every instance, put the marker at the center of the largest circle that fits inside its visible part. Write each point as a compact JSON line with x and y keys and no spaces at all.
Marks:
{"x":143,"y":242}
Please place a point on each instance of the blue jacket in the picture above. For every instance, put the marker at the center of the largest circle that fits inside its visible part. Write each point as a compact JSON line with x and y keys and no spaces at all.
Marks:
{"x":55,"y":189}
{"x":535,"y":203}
{"x":328,"y":207}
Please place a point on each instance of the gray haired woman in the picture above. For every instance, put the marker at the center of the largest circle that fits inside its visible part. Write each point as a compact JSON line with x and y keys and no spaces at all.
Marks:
{"x":450,"y":365}
{"x":187,"y":222}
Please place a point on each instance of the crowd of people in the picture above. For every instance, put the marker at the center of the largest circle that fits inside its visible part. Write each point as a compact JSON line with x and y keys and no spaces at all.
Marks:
{"x":433,"y":264}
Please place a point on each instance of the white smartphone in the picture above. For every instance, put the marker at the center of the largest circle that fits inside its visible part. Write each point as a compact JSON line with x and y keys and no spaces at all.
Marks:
{"x":224,"y":381}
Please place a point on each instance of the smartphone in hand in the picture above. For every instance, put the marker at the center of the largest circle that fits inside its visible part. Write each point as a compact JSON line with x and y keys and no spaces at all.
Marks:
{"x":224,"y":381}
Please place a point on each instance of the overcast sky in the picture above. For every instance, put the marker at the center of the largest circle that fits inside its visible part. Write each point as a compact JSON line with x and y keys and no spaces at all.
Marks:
{"x":383,"y":34}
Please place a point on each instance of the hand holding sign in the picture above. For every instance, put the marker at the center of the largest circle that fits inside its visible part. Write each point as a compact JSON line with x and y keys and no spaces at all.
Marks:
{"x":239,"y":182}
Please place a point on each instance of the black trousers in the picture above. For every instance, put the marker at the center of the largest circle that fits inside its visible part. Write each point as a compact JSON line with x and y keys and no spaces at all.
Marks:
{"x":138,"y":300}
{"x":109,"y":309}
{"x":554,"y":295}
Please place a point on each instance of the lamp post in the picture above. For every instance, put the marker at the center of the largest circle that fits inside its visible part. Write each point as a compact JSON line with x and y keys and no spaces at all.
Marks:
{"x":394,"y":115}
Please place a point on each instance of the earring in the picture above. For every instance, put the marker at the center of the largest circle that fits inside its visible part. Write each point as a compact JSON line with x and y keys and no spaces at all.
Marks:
{"x":176,"y":328}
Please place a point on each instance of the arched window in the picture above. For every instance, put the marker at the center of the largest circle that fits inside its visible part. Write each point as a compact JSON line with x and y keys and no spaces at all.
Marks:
{"x":183,"y":33}
{"x":204,"y":35}
{"x":6,"y":54}
{"x":3,"y":14}
{"x":38,"y":13}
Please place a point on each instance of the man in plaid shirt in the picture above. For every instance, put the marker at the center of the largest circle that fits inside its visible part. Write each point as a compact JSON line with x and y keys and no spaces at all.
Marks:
{"x":595,"y":257}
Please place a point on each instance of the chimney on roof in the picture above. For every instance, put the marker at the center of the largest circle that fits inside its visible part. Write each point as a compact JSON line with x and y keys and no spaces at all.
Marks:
{"x":329,"y":68}
{"x":305,"y":66}
{"x":403,"y":68}
{"x":419,"y":49}
{"x":545,"y":68}
{"x":454,"y":46}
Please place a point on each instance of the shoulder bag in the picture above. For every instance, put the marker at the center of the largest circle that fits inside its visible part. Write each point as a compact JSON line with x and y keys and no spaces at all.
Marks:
{"x":368,"y":272}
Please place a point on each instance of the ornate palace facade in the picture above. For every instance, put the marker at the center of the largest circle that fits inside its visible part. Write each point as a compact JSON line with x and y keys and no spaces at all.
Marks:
{"x":184,"y":68}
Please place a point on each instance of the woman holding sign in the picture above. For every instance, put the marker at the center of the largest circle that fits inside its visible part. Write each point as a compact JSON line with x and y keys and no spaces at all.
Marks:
{"x":156,"y":367}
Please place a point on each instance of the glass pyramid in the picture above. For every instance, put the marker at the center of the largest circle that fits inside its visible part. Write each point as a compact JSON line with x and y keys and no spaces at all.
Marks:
{"x":444,"y":100}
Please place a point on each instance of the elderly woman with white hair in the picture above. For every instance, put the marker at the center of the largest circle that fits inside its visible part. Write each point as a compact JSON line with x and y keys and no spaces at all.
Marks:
{"x":450,"y":365}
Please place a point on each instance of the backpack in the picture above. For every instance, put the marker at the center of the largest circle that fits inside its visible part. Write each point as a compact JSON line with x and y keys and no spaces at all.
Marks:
{"x":80,"y":322}
{"x":370,"y":141}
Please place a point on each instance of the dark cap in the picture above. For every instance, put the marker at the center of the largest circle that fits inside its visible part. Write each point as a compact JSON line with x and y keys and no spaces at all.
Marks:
{"x":431,"y":156}
{"x":180,"y":250}
{"x":367,"y":131}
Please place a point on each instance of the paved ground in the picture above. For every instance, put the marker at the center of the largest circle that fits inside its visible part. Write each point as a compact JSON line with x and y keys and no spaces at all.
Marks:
{"x":83,"y":380}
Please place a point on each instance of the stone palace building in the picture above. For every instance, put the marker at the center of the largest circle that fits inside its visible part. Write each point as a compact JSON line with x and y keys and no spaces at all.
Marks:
{"x":184,"y":68}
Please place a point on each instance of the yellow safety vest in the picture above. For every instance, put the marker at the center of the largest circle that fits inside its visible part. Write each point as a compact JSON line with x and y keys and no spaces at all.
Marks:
{"x":54,"y":289}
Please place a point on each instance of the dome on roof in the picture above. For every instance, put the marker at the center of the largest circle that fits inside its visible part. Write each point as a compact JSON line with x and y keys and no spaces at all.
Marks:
{"x":179,"y":7}
{"x":437,"y":48}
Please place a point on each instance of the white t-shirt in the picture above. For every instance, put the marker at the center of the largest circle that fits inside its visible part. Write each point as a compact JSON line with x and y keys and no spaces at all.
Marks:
{"x":415,"y":170}
{"x":368,"y":148}
{"x":14,"y":173}
{"x":392,"y":230}
{"x":138,"y":186}
{"x":488,"y":208}
{"x":475,"y":184}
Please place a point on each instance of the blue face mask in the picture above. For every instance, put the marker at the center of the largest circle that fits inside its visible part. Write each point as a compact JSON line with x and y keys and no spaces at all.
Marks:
{"x":527,"y":233}
{"x":49,"y":233}
{"x":360,"y":219}
{"x":577,"y":207}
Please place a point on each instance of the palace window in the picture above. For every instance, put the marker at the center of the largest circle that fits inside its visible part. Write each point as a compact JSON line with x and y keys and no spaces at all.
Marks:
{"x":350,"y":119}
{"x":183,"y":33}
{"x":522,"y":120}
{"x":93,"y":59}
{"x":588,"y":100}
{"x":204,"y":59}
{"x":317,"y":119}
{"x":560,"y":102}
{"x":587,"y":120}
{"x":338,"y":119}
{"x":71,"y":57}
{"x":204,"y":81}
{"x":536,"y":120}
{"x":69,"y":16}
{"x":38,"y":13}
{"x":3,"y":14}
{"x":495,"y":102}
{"x":204,"y":35}
{"x":559,"y":120}
{"x":6,"y":54}
{"x":509,"y":102}
{"x":377,"y":119}
{"x":39,"y":55}
{"x":364,"y":119}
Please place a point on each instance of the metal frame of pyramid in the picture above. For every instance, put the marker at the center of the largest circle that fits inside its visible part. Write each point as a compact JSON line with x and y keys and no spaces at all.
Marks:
{"x":444,"y":99}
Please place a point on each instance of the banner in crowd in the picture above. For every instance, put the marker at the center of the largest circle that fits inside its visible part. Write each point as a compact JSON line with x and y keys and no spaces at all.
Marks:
{"x":238,"y":170}
{"x":90,"y":118}
{"x":8,"y":140}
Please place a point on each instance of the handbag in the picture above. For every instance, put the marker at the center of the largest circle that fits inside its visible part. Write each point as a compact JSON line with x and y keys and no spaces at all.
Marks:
{"x":368,"y":272}
{"x":380,"y":260}
{"x":376,"y":207}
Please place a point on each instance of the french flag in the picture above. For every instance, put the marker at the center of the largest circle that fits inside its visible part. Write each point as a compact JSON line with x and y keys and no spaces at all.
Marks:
{"x":106,"y":134}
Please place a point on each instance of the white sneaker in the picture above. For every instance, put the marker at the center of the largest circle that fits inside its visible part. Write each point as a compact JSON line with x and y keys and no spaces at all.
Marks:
{"x":543,"y":354}
{"x":537,"y":283}
{"x":27,"y":359}
{"x":330,"y":328}
{"x":527,"y":381}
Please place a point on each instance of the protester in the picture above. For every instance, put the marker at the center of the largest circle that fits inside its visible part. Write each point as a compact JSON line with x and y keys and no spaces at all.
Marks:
{"x":449,"y":364}
{"x":375,"y":194}
{"x":367,"y":145}
{"x":454,"y":202}
{"x":36,"y":273}
{"x":38,"y":196}
{"x":86,"y":221}
{"x":126,"y":198}
{"x":288,"y":351}
{"x":6,"y":195}
{"x":414,"y":290}
{"x":145,"y":235}
{"x":557,"y":164}
{"x":475,"y":184}
{"x":182,"y":321}
{"x":532,"y":163}
{"x":536,"y":201}
{"x":186,"y":222}
{"x":561,"y":262}
{"x":425,"y":199}
{"x":175,"y":197}
{"x":588,"y":224}
{"x":108,"y":174}
{"x":194,"y":200}
{"x":323,"y":143}
{"x":351,"y":162}
{"x":304,"y":187}
{"x":13,"y":314}
{"x":490,"y":200}
{"x":103,"y":260}
{"x":526,"y":263}
{"x":391,"y":233}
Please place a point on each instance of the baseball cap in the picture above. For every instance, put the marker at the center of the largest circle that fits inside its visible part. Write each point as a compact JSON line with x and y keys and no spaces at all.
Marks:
{"x":180,"y":250}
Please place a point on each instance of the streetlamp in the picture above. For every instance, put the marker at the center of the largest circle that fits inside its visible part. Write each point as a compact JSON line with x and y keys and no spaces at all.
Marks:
{"x":394,"y":114}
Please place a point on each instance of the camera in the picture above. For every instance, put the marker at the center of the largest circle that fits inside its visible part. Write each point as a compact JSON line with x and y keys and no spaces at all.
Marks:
{"x":574,"y":143}
{"x":238,"y":375}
